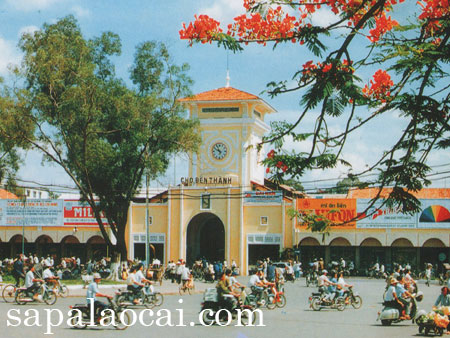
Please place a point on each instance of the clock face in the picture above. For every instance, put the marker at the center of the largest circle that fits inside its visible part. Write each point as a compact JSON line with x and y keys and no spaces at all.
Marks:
{"x":219,"y":151}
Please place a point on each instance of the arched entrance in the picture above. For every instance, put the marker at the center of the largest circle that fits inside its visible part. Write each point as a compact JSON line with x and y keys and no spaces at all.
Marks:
{"x":205,"y":237}
{"x":44,"y":246}
{"x":16,"y":245}
{"x":371,"y":251}
{"x":435,"y":252}
{"x":340,"y":247}
{"x":403,"y":252}
{"x":96,"y":248}
{"x":310,"y":249}
{"x":71,"y":246}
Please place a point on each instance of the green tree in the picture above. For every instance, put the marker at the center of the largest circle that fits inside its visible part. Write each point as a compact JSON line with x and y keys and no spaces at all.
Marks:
{"x":9,"y":125}
{"x":105,"y":135}
{"x":404,"y":44}
{"x":344,"y":185}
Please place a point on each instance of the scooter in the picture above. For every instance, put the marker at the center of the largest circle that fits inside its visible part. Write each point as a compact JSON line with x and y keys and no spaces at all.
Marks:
{"x":45,"y":294}
{"x":389,"y":315}
{"x":317,"y":301}
{"x":147,"y":297}
{"x":121,"y":320}
{"x":211,"y":310}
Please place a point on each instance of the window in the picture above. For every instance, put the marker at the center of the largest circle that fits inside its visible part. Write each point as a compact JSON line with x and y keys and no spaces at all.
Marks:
{"x":206,"y":202}
{"x":220,"y":110}
{"x":264,"y":220}
{"x":257,"y":113}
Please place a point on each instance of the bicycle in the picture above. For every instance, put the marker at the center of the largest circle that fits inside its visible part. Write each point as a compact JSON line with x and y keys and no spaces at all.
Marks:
{"x":187,"y":287}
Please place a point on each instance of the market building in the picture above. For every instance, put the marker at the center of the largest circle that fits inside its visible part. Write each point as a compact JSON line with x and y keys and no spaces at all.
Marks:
{"x":225,"y":208}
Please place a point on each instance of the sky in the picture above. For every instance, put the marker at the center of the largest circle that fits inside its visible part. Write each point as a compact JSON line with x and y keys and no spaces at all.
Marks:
{"x":138,"y":21}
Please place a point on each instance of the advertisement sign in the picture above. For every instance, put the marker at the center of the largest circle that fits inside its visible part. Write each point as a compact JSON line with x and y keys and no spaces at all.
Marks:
{"x":385,"y":217}
{"x":435,"y":214}
{"x":263,"y":196}
{"x":77,"y":213}
{"x":45,"y":212}
{"x":342,"y":212}
{"x":36,"y":212}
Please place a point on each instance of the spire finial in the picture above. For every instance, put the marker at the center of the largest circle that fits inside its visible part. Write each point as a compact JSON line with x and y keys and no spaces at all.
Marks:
{"x":228,"y":73}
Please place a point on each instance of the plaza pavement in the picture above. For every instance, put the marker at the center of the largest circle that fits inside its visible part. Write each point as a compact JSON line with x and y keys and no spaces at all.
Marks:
{"x":295,"y":320}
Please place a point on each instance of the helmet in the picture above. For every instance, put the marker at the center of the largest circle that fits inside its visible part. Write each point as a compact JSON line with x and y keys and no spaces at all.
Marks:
{"x":419,"y":296}
{"x":97,"y":276}
{"x":324,"y":271}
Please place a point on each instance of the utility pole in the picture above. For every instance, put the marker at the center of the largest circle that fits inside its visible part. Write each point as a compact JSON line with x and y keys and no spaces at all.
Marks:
{"x":147,"y":226}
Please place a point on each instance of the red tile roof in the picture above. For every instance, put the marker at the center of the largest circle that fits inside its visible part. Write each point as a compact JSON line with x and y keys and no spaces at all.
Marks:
{"x":5,"y":194}
{"x":424,"y":193}
{"x":221,"y":94}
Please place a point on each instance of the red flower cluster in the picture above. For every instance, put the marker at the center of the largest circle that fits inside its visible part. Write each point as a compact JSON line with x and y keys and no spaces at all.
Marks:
{"x":311,"y":69}
{"x":275,"y":25}
{"x":380,"y":86}
{"x":433,"y":12}
{"x":271,"y":154}
{"x":203,"y":29}
{"x":383,"y":24}
{"x":282,"y":166}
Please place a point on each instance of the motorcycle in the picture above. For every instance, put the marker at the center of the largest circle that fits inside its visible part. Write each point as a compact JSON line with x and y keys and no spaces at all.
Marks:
{"x":317,"y":301}
{"x":352,"y":298}
{"x":276,"y":298}
{"x":121,"y":320}
{"x":389,"y":315}
{"x":311,"y":279}
{"x":147,"y":297}
{"x":45,"y":294}
{"x":211,"y":310}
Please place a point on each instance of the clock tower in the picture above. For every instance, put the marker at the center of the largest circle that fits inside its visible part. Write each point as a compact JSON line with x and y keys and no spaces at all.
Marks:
{"x":232,"y":124}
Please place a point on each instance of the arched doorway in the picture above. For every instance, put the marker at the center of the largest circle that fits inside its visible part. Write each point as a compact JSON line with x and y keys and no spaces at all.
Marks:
{"x":435,"y":252}
{"x":16,"y":245}
{"x":44,"y":246}
{"x":310,"y":249}
{"x":205,"y":237}
{"x":71,"y":246}
{"x":403,"y":252}
{"x":340,"y":247}
{"x":371,"y":251}
{"x":96,"y":248}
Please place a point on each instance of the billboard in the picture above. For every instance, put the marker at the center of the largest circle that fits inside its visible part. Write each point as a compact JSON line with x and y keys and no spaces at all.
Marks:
{"x":46,"y":212}
{"x":80,"y":214}
{"x":342,"y":212}
{"x":37,"y":212}
{"x":434,"y":214}
{"x":384,"y":217}
{"x":263,"y":196}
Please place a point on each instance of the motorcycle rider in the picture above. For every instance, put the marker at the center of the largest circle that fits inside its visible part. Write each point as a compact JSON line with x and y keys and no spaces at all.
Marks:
{"x":92,"y":294}
{"x":391,"y":299}
{"x":31,"y":283}
{"x":256,"y":285}
{"x":342,"y":284}
{"x":323,"y":282}
{"x":403,"y":295}
{"x":332,"y":287}
{"x":49,"y":277}
{"x":444,"y":298}
{"x":224,"y":290}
